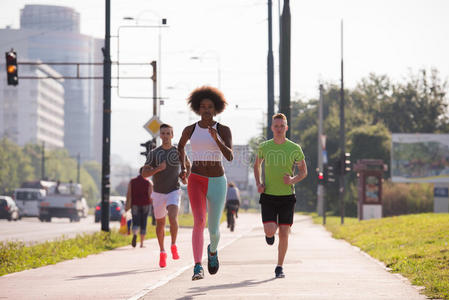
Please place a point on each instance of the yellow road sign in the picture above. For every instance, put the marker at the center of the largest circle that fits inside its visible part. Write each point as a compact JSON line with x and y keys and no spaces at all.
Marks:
{"x":152,"y":126}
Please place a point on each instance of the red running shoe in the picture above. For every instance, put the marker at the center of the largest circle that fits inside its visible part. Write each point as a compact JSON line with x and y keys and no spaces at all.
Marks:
{"x":163,"y":260}
{"x":174,"y":252}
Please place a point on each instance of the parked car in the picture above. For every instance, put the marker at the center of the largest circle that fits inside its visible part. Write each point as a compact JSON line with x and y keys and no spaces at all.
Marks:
{"x":118,"y":198}
{"x":8,"y":209}
{"x":116,"y":209}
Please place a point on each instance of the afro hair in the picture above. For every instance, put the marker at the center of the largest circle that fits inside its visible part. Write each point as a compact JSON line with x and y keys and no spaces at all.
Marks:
{"x":207,"y":92}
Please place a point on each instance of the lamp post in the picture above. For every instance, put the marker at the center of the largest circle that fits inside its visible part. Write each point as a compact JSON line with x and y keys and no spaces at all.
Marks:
{"x":216,"y":56}
{"x":137,"y":19}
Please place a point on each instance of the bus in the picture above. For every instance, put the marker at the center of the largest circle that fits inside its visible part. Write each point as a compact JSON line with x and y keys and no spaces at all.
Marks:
{"x":28,"y":200}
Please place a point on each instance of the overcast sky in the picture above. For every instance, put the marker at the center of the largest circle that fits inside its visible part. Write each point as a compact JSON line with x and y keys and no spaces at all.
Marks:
{"x":230,"y":39}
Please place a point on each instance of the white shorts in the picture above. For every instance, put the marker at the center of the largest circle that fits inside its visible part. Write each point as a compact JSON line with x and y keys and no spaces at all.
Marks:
{"x":161,"y":201}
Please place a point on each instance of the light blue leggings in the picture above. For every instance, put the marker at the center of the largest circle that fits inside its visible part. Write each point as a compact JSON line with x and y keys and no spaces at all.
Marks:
{"x":213,"y":190}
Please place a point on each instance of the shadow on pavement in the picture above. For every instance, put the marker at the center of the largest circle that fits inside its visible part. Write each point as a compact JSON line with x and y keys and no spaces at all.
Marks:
{"x":114,"y":274}
{"x":246,"y":283}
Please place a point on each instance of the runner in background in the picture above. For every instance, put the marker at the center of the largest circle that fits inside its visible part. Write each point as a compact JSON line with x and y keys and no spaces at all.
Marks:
{"x":163,"y":164}
{"x":277,"y":190}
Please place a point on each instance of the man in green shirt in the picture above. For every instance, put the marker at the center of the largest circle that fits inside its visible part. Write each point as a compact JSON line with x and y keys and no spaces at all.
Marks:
{"x":277,"y":190}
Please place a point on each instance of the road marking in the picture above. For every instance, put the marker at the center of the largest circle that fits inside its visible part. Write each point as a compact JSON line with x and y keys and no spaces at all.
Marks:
{"x":170,"y":277}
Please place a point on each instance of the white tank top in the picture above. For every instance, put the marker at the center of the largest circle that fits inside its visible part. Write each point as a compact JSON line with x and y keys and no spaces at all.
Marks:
{"x":204,"y":148}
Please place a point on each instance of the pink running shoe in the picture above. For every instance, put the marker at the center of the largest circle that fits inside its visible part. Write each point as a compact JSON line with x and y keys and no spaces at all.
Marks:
{"x":163,"y":260}
{"x":174,"y":252}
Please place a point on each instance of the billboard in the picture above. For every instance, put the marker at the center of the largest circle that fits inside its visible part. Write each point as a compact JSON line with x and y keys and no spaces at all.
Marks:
{"x":422,"y":157}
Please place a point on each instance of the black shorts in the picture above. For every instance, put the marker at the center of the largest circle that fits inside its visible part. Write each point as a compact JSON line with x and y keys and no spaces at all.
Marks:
{"x":278,"y":209}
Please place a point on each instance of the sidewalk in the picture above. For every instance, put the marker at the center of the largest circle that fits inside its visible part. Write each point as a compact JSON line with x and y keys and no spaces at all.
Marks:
{"x":316,"y":267}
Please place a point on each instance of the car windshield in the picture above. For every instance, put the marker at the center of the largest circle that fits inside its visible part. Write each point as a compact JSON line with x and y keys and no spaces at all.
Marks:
{"x":3,"y":203}
{"x":25,"y":195}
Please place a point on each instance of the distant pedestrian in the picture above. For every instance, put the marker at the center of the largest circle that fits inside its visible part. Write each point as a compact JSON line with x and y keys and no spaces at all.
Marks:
{"x":138,"y":199}
{"x":232,"y":204}
{"x":163,"y":164}
{"x":206,"y":186}
{"x":245,"y":205}
{"x":277,"y":189}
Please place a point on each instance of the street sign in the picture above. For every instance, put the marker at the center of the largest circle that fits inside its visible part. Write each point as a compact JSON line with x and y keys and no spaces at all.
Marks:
{"x":153,"y":125}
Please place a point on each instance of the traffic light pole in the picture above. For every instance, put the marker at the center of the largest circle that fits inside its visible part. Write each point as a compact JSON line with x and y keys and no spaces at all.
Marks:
{"x":341,"y":191}
{"x":320,"y":187}
{"x":105,"y":170}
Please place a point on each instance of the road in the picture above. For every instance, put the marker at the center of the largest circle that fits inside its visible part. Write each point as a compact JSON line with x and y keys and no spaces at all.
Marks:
{"x":31,"y":230}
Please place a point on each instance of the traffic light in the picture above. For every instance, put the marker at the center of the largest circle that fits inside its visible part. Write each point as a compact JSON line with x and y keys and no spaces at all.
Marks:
{"x":320,"y":178}
{"x":347,"y":163}
{"x":11,"y":67}
{"x":329,"y":174}
{"x":149,"y":145}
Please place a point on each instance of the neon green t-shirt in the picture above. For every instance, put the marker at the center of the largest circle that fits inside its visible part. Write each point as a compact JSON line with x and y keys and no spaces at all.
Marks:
{"x":279,"y":160}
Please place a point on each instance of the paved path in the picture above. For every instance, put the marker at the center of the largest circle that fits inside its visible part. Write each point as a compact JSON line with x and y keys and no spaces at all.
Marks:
{"x":316,"y":267}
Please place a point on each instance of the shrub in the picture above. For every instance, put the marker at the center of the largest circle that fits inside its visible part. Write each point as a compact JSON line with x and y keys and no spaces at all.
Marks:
{"x":406,"y":198}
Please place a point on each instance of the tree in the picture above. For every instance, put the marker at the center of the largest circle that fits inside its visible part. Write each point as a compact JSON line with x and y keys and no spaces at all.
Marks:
{"x":15,"y":167}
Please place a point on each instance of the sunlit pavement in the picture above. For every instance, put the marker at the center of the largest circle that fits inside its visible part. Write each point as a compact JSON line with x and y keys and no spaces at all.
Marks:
{"x":316,"y":267}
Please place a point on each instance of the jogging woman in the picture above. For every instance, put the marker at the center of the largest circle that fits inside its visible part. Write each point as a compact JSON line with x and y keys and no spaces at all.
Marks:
{"x":210,"y":141}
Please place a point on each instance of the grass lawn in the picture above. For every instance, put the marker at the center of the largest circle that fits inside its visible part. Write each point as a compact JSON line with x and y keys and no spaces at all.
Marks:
{"x":416,"y":246}
{"x":18,"y":256}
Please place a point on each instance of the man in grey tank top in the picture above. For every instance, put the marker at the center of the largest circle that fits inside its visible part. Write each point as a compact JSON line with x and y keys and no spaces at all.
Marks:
{"x":163,"y":164}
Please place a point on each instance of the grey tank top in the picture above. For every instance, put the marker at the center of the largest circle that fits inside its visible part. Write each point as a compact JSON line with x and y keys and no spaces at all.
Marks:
{"x":167,"y":180}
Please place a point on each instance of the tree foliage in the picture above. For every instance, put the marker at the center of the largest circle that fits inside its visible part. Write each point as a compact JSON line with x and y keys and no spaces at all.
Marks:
{"x":374,"y":109}
{"x":20,"y":164}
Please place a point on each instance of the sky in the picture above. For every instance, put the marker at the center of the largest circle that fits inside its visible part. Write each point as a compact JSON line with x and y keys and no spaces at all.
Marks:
{"x":224,"y":44}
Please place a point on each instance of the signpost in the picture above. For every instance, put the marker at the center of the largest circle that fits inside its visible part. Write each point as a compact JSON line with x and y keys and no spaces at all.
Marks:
{"x":153,"y":125}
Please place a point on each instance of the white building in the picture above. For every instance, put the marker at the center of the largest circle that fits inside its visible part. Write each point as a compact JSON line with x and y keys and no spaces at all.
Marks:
{"x":33,"y":111}
{"x":51,"y":33}
{"x":237,"y":170}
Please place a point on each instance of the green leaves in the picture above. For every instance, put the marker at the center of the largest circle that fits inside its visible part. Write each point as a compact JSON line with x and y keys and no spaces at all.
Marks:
{"x":374,"y":109}
{"x":20,"y":164}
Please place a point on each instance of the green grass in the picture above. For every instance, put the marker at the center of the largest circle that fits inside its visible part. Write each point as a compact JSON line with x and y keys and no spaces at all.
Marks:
{"x":416,"y":246}
{"x":18,"y":256}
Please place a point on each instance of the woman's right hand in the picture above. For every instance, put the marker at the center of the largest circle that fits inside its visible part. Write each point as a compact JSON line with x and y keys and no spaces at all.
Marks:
{"x":183,"y":176}
{"x":260,"y":188}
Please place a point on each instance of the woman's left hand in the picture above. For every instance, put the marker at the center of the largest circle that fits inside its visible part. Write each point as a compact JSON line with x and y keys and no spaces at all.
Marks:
{"x":213,"y":132}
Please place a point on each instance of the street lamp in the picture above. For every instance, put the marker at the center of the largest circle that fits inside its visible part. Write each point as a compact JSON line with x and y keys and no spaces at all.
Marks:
{"x":216,"y":56}
{"x":163,"y":22}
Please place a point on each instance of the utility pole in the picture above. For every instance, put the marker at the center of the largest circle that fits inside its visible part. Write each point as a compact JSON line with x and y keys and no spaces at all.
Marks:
{"x":154,"y":78}
{"x":105,"y":170}
{"x":270,"y":73}
{"x":342,"y":137}
{"x":320,"y":187}
{"x":284,"y":66}
{"x":43,"y":162}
